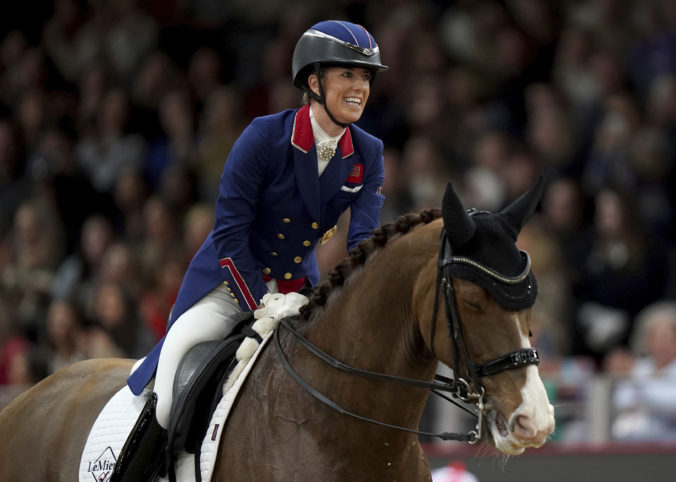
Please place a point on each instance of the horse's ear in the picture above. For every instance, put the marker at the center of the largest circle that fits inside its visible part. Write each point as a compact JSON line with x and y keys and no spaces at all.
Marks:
{"x":519,"y":212}
{"x":459,"y":225}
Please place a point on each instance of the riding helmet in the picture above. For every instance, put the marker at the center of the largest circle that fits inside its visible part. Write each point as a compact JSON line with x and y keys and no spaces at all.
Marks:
{"x":334,"y":42}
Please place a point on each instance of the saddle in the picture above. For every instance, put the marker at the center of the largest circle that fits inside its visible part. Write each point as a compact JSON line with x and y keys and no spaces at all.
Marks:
{"x":197,"y":390}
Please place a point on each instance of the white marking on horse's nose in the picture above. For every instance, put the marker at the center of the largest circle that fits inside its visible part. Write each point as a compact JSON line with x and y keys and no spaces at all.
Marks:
{"x":524,"y":428}
{"x":533,"y":421}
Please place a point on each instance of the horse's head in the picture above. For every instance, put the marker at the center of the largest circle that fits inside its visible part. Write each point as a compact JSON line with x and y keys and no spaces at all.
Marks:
{"x":489,"y":290}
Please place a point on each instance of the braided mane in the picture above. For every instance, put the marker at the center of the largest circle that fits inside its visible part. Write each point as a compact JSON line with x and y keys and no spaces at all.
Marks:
{"x":360,"y":253}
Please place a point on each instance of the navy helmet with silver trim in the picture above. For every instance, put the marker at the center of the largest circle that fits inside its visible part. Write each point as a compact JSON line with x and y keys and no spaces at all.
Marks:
{"x":334,"y":42}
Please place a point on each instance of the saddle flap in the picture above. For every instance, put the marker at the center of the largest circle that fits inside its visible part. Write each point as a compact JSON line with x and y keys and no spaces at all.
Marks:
{"x":197,"y":387}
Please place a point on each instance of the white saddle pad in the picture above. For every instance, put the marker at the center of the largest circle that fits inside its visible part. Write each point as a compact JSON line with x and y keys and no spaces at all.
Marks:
{"x":108,"y":435}
{"x":114,"y":423}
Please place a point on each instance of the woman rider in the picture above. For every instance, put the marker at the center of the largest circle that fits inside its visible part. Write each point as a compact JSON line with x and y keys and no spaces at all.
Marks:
{"x":286,"y":181}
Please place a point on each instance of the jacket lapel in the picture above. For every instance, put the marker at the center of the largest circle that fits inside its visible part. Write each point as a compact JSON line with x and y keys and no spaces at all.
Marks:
{"x":305,"y":161}
{"x":339,"y":168}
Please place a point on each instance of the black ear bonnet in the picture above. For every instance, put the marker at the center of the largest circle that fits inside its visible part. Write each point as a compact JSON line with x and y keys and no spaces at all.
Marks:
{"x":483,"y":250}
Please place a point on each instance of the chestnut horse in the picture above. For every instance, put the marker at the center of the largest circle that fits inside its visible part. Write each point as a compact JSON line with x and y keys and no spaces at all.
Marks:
{"x":392,"y":308}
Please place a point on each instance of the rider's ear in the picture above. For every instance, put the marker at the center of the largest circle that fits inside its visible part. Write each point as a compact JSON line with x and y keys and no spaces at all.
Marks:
{"x":313,"y":83}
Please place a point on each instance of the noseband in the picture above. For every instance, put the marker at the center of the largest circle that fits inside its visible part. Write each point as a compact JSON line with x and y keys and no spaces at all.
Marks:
{"x":467,"y":389}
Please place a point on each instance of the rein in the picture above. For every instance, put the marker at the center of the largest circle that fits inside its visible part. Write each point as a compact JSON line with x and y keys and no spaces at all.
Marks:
{"x":468,"y":390}
{"x":454,"y":388}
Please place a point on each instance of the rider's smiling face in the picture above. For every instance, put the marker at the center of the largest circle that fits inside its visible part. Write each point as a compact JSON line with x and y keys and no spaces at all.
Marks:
{"x":346,"y":90}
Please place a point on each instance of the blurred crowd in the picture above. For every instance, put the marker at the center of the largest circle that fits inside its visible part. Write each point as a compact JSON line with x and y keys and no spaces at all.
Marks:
{"x":116,"y":117}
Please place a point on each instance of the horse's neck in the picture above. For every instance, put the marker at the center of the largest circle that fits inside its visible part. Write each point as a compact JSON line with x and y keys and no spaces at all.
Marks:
{"x":370,"y":324}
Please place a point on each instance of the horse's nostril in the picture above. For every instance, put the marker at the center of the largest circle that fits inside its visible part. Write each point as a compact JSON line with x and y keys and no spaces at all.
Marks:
{"x":524,"y":428}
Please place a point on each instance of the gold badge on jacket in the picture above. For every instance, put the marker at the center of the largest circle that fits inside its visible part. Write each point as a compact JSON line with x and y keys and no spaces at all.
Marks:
{"x":327,"y":235}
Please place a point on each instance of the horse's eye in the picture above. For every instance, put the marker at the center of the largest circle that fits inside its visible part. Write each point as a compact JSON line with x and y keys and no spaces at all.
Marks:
{"x":472,"y":305}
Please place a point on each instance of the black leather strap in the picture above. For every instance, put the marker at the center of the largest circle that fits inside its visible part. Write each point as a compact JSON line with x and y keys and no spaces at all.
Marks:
{"x":515,"y":359}
{"x":443,"y":384}
{"x":330,"y":403}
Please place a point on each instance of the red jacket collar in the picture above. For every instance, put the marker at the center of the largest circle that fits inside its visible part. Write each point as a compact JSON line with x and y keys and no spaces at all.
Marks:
{"x":303,"y":139}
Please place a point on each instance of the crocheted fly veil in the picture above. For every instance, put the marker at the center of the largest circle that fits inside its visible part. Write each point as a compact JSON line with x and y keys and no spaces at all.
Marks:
{"x":484,"y":251}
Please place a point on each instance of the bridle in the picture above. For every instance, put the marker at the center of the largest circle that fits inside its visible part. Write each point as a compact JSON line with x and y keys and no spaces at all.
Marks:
{"x":467,"y":389}
{"x":474,"y":372}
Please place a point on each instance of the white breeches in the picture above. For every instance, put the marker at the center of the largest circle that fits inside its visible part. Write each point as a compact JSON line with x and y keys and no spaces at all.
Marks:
{"x":211,"y":318}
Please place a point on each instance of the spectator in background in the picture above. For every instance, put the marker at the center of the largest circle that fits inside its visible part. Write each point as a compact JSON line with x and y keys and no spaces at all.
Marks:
{"x":197,"y":225}
{"x":178,"y":189}
{"x":156,"y":77}
{"x":621,"y":268}
{"x":425,"y":172}
{"x":22,"y":363}
{"x":161,"y":238}
{"x":159,"y":295}
{"x":395,"y":187}
{"x":176,"y":146}
{"x":551,"y":314}
{"x":564,"y":218}
{"x":205,"y":75}
{"x":119,"y":264}
{"x":549,"y":132}
{"x":58,"y":179}
{"x":64,"y":333}
{"x":484,"y":186}
{"x":36,"y":248}
{"x":92,"y":84}
{"x":608,"y":161}
{"x":77,"y":275}
{"x":65,"y":41}
{"x":31,"y":117}
{"x":219,"y":126}
{"x":129,"y":196}
{"x":645,"y":401}
{"x":117,"y":315}
{"x":111,"y":148}
{"x":661,"y":109}
{"x":13,"y":182}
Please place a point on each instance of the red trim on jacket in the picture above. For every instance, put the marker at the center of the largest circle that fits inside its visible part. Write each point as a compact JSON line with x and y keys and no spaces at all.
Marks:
{"x":301,"y":134}
{"x":287,"y":285}
{"x":345,"y":143}
{"x":239,"y":281}
{"x":302,"y":137}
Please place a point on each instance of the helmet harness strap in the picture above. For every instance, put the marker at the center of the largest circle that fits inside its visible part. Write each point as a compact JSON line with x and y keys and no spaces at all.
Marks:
{"x":321,"y":97}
